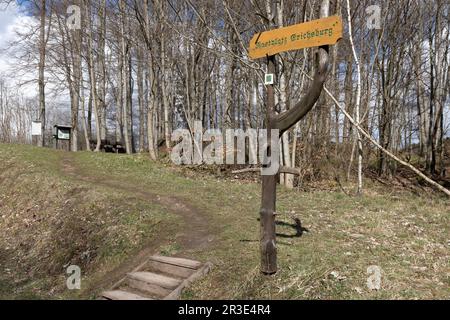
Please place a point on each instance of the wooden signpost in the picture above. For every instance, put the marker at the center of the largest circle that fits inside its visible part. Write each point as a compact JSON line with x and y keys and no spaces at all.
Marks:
{"x":62,"y":133}
{"x":318,"y":33}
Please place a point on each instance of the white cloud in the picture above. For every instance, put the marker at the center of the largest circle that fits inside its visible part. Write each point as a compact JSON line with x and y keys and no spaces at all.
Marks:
{"x":12,"y":21}
{"x":7,"y":15}
{"x":9,"y":19}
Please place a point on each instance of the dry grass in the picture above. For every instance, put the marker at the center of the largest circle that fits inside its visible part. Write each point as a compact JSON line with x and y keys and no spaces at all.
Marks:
{"x":406,"y":235}
{"x":50,"y":221}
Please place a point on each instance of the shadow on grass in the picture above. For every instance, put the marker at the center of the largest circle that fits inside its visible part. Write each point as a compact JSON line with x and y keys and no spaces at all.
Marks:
{"x":297,"y":226}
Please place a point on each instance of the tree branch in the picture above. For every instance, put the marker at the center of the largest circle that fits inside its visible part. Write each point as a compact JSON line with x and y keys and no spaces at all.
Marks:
{"x":372,"y":140}
{"x":286,"y":120}
{"x":282,"y":170}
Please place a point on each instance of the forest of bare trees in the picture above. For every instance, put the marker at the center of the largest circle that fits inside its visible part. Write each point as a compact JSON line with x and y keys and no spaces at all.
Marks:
{"x":134,"y":71}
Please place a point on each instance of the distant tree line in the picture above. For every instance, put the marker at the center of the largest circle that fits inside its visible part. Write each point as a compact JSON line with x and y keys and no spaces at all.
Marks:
{"x":137,"y":70}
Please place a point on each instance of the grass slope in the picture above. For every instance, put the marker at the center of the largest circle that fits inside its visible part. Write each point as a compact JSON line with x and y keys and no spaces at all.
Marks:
{"x":50,"y":219}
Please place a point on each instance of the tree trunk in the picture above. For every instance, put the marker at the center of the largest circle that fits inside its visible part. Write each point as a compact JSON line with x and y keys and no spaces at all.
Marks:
{"x":77,"y":72}
{"x":358,"y":99}
{"x":286,"y":179}
{"x":125,"y":79}
{"x":92,"y":76}
{"x":283,"y":122}
{"x":141,"y":99}
{"x":42,"y":53}
{"x":165,"y":98}
{"x":269,"y":193}
{"x":101,"y":95}
{"x":83,"y":117}
{"x":151,"y":87}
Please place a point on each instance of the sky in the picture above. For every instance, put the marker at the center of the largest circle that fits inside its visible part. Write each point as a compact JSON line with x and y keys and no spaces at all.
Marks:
{"x":12,"y":20}
{"x":9,"y":19}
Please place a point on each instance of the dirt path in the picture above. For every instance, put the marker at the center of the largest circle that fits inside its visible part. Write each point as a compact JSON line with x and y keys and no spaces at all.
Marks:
{"x":195,"y":236}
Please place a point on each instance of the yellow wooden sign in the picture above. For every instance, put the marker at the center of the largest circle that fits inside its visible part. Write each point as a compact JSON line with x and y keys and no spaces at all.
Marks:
{"x":314,"y":33}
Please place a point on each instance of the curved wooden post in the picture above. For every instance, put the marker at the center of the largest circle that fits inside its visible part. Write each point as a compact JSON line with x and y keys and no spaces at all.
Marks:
{"x":284,"y":122}
{"x":269,"y":191}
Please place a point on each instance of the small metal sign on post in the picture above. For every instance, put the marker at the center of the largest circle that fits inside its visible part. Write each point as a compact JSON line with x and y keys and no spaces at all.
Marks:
{"x":268,"y":79}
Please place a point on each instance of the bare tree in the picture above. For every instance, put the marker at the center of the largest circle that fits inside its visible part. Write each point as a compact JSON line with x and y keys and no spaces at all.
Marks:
{"x":42,"y":51}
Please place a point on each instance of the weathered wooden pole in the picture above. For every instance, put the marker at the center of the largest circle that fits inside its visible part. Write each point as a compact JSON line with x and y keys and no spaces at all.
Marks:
{"x":261,"y":46}
{"x":269,"y":189}
{"x":41,"y":81}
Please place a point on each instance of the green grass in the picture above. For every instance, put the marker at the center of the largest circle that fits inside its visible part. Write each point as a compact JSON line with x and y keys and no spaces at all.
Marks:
{"x":50,"y":220}
{"x":406,"y":235}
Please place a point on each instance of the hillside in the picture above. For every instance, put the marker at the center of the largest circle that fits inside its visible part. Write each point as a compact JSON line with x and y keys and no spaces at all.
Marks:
{"x":106,"y":212}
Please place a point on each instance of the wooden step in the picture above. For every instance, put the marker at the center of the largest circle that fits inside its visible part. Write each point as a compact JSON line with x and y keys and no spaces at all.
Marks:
{"x":150,"y":289}
{"x":168,"y":269}
{"x":143,"y":293}
{"x":181,"y":262}
{"x":156,"y":279}
{"x":122,"y":295}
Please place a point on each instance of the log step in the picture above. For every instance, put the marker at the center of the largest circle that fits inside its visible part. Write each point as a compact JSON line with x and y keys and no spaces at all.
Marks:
{"x":185,"y":263}
{"x":153,"y":290}
{"x":155,"y":279}
{"x":170,"y":270}
{"x":138,"y":291}
{"x":122,"y":295}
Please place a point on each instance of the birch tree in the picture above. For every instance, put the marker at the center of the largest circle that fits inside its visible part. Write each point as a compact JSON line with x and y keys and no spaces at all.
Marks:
{"x":358,"y":98}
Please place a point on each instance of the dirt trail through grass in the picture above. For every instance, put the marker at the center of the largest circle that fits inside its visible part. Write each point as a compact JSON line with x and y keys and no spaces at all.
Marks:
{"x":195,"y":235}
{"x":107,"y":213}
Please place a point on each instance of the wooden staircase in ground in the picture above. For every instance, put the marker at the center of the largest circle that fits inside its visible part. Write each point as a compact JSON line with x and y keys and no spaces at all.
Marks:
{"x":158,"y":278}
